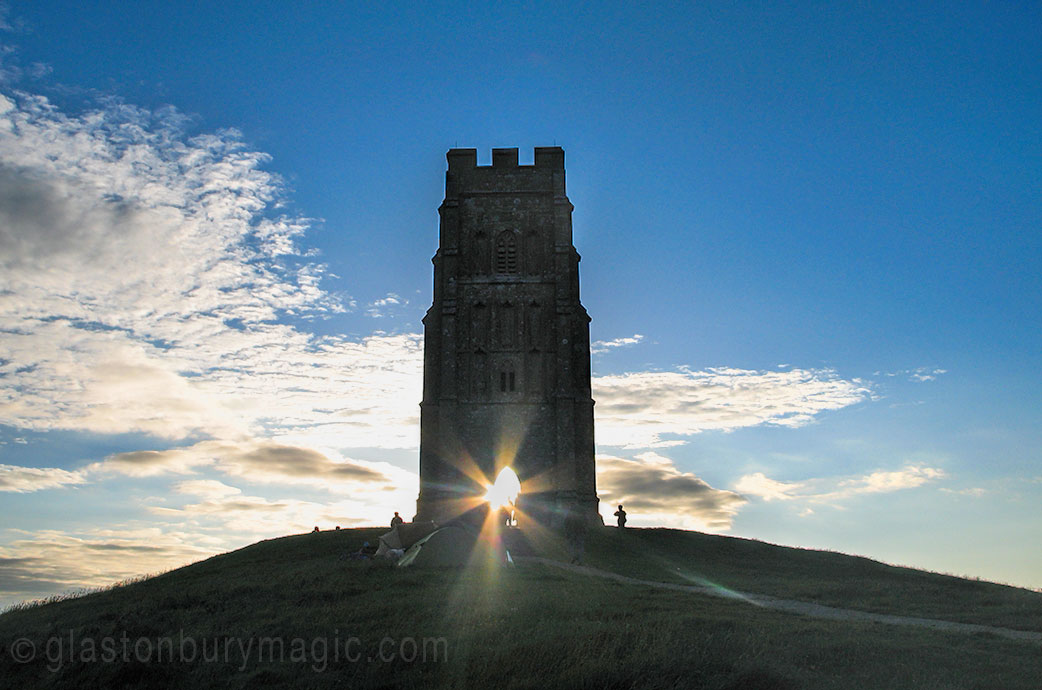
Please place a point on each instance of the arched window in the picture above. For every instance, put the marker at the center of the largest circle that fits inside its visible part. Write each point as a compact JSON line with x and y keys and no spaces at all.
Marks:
{"x":506,"y":252}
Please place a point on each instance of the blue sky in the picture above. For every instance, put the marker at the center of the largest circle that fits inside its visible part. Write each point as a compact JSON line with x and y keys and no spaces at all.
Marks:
{"x":810,"y":240}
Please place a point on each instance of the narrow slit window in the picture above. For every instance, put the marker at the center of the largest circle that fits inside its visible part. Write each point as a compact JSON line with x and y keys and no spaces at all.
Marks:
{"x":503,"y":381}
{"x":511,"y":381}
{"x":506,"y":253}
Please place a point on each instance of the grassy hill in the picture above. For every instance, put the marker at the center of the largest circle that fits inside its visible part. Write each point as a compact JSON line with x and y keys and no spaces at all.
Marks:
{"x":294,"y":612}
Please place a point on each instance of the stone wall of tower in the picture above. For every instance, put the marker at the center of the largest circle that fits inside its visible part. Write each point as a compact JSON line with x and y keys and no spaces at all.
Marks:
{"x":507,"y":343}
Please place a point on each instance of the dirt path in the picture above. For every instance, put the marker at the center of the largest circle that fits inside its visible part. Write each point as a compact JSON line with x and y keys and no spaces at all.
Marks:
{"x":799,"y":607}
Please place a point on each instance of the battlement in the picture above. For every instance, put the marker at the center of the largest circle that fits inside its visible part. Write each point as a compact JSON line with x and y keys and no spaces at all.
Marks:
{"x":550,"y":157}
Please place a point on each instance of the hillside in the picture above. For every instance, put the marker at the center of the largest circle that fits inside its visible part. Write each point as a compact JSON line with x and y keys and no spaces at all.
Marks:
{"x":302,"y":615}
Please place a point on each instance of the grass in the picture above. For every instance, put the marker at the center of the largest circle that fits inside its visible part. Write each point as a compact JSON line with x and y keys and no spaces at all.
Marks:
{"x":823,"y":577}
{"x":530,"y":626}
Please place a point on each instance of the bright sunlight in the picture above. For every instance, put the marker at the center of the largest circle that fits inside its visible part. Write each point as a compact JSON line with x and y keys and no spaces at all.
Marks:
{"x":504,"y":492}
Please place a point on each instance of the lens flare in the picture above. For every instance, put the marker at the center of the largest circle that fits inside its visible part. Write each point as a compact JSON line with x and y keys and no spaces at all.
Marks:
{"x":504,"y":492}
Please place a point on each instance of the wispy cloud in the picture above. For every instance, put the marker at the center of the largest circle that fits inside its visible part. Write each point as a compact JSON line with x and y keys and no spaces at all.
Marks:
{"x":926,"y":374}
{"x":917,"y":375}
{"x":360,"y":489}
{"x":206,"y":488}
{"x":837,"y":490}
{"x":656,"y":492}
{"x":222,"y":508}
{"x":385,"y":306}
{"x":637,"y":410}
{"x":258,"y":461}
{"x":975,"y":491}
{"x":27,"y":479}
{"x":13,"y":24}
{"x":762,"y":486}
{"x":598,"y":346}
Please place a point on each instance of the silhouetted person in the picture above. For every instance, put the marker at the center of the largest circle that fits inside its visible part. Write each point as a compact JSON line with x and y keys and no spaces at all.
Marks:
{"x":316,"y":529}
{"x":621,"y":514}
{"x":396,"y":520}
{"x":575,"y":534}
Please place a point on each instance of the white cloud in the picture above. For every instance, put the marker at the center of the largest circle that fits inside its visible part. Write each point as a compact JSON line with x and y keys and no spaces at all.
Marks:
{"x":975,"y":492}
{"x":636,"y":410}
{"x":917,"y":375}
{"x":27,"y":479}
{"x":885,"y":481}
{"x":361,"y":489}
{"x":206,"y":488}
{"x":144,"y":275}
{"x":227,"y":509}
{"x":153,"y":463}
{"x":254,"y":515}
{"x":923,"y":374}
{"x":837,"y":490}
{"x":219,"y":518}
{"x":761,"y":486}
{"x":657,"y":493}
{"x":259,"y":461}
{"x":605,"y":345}
{"x":385,"y":306}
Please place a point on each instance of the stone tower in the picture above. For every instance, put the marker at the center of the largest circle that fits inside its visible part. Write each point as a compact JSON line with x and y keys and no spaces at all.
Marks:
{"x":506,"y":371}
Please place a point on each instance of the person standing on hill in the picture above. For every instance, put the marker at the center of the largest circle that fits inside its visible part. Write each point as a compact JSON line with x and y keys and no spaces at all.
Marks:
{"x":396,"y":520}
{"x":621,"y":514}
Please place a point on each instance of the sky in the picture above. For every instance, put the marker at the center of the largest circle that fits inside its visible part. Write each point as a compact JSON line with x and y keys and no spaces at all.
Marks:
{"x":811,"y":250}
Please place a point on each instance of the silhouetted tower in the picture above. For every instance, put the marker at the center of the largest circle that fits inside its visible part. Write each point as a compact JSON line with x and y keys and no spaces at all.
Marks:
{"x":506,"y":371}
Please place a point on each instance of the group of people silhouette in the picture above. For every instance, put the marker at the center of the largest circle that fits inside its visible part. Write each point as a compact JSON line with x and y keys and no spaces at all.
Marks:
{"x":575,"y":527}
{"x":506,"y":517}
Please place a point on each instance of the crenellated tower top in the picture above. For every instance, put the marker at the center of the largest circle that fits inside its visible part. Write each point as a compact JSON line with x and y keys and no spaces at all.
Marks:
{"x":551,"y":157}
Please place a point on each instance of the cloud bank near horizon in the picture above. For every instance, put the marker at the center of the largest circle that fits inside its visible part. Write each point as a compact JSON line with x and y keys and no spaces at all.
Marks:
{"x":657,"y":493}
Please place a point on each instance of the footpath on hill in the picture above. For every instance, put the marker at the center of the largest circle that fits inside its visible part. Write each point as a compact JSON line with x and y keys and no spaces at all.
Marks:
{"x":803,"y":608}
